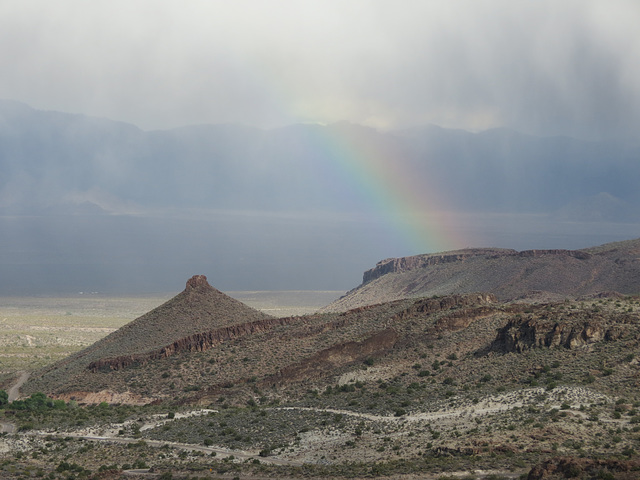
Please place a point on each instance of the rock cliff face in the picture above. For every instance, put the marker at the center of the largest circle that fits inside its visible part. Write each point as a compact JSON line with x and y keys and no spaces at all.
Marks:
{"x":198,"y":342}
{"x":521,"y":334}
{"x":518,"y":336}
{"x":404,"y":264}
{"x":427,"y":306}
{"x":572,"y":467}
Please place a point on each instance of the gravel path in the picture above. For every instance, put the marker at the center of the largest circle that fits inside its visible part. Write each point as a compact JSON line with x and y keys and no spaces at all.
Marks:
{"x":14,"y":391}
{"x":576,"y":396}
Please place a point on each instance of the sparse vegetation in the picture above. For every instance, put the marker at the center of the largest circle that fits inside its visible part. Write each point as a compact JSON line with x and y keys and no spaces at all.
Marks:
{"x":440,"y":400}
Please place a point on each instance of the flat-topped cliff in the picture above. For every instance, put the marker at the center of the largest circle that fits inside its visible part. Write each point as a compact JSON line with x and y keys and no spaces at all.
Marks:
{"x":509,"y":274}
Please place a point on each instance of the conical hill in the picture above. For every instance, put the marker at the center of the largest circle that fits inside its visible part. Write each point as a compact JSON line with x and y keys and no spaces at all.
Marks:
{"x":198,"y":308}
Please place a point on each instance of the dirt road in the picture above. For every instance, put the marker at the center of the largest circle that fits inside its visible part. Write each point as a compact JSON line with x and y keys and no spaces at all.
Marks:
{"x":14,"y":391}
{"x":179,"y":446}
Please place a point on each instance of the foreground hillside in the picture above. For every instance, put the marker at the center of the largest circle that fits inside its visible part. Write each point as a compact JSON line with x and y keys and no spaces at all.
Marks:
{"x":509,"y":274}
{"x":458,"y":383}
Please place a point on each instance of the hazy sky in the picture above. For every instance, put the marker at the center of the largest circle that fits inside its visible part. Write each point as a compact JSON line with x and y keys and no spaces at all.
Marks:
{"x":544,"y":66}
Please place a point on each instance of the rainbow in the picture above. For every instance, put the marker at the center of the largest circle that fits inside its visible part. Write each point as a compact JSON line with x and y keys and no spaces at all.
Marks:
{"x":413,"y":210}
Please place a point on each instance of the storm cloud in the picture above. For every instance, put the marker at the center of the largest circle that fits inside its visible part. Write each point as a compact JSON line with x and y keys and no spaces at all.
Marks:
{"x":543,"y":67}
{"x":293,"y":144}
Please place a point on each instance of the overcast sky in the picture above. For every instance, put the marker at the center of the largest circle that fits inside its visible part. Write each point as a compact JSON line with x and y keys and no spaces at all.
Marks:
{"x":544,"y":66}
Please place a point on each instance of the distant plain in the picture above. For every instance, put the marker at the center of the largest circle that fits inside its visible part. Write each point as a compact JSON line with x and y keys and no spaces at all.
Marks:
{"x":36,"y":331}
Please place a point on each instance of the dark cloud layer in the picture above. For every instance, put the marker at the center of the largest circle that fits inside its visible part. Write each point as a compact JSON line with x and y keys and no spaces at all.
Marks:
{"x":547,"y":67}
{"x":108,"y":204}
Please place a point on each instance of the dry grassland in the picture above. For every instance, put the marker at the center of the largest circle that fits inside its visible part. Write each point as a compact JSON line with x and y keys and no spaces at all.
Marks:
{"x":35,"y":331}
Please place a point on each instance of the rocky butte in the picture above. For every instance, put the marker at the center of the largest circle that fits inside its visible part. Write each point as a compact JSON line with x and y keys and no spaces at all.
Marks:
{"x":509,"y":274}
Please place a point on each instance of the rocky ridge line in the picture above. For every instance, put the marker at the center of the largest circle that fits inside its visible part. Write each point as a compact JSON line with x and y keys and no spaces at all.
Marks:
{"x":198,"y":342}
{"x":404,"y":264}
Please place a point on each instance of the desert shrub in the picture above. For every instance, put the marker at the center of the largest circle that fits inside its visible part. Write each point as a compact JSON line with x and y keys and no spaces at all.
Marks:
{"x":628,"y":451}
{"x":265,"y":452}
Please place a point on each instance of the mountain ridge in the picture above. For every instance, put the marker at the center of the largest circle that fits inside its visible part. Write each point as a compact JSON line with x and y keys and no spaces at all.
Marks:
{"x":103,"y":152}
{"x":508,"y":273}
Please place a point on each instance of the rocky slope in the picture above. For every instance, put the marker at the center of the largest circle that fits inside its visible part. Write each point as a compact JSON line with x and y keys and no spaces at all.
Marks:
{"x":457,"y":383}
{"x":509,"y":274}
{"x":238,"y":343}
{"x":198,"y":308}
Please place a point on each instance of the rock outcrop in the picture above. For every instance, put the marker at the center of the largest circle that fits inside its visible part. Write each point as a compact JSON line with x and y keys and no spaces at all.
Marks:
{"x":198,"y":342}
{"x":521,"y":334}
{"x":572,"y":467}
{"x":338,"y":356}
{"x":427,"y":306}
{"x":404,"y":264}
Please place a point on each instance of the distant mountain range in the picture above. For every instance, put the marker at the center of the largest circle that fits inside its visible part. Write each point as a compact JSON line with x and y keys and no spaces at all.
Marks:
{"x":55,"y":162}
{"x":89,"y":204}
